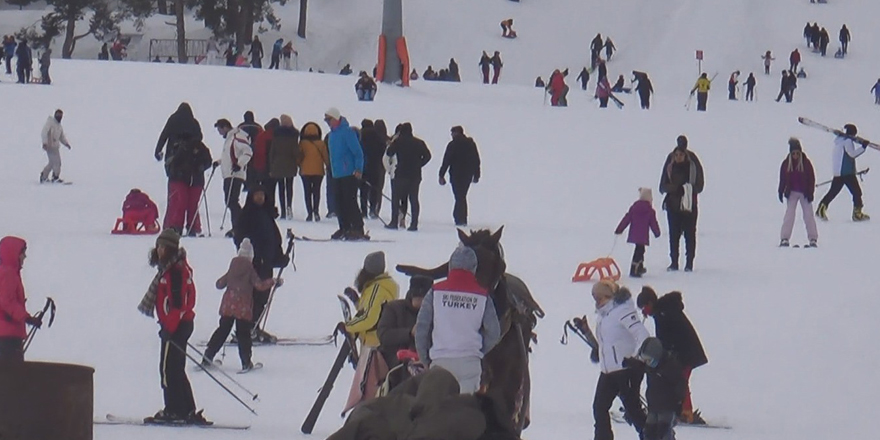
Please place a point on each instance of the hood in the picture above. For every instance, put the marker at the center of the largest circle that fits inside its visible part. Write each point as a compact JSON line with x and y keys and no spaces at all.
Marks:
{"x":10,"y":250}
{"x":343,"y":124}
{"x":239,"y":267}
{"x":184,"y":111}
{"x":671,"y":302}
{"x":623,"y":295}
{"x":311,"y":131}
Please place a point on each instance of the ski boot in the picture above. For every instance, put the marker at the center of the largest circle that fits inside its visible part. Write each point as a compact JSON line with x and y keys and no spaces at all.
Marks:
{"x":813,"y":243}
{"x":197,"y":418}
{"x":634,"y":271}
{"x":784,"y":243}
{"x":163,"y":417}
{"x":821,"y":212}
{"x":338,"y":235}
{"x":859,"y":216}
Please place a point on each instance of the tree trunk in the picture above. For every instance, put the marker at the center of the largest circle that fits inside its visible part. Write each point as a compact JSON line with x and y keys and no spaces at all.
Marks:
{"x":181,"y":32}
{"x":69,"y":39}
{"x":163,"y":7}
{"x":303,"y":6}
{"x":247,"y":14}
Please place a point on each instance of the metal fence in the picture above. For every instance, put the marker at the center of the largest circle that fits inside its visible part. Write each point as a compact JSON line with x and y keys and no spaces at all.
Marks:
{"x":164,"y":48}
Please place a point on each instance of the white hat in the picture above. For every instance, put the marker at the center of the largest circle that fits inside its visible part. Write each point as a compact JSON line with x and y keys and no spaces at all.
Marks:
{"x":333,"y":112}
{"x":246,"y":249}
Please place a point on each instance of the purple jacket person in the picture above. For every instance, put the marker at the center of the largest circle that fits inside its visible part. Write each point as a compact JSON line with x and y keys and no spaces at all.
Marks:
{"x":640,"y":218}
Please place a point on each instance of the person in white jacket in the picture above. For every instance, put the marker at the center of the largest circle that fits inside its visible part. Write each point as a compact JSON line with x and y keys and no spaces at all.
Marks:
{"x":233,"y":163}
{"x":844,"y":157}
{"x":53,"y":137}
{"x":620,"y":333}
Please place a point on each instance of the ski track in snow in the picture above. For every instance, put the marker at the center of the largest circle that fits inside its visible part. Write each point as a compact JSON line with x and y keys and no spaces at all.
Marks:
{"x":786,"y":330}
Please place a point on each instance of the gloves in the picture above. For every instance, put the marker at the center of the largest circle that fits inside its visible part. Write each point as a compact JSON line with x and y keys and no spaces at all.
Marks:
{"x":780,"y":197}
{"x":34,"y":321}
{"x":164,"y":334}
{"x":68,"y":146}
{"x":442,"y":181}
{"x":865,"y":143}
{"x":158,"y":156}
{"x":215,"y":164}
{"x":810,"y":198}
{"x":357,"y":175}
{"x":279,"y":281}
{"x":236,"y":168}
{"x":594,"y":356}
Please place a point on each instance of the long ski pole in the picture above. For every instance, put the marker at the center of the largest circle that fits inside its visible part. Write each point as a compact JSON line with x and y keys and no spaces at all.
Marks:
{"x":203,"y":198}
{"x":50,"y":307}
{"x":208,"y":372}
{"x":860,"y":174}
{"x":254,"y":397}
{"x":261,"y":323}
{"x":228,"y":198}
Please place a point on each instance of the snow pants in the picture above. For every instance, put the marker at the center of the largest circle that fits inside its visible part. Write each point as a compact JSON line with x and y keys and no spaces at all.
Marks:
{"x":232,"y":195}
{"x":406,"y":189}
{"x":11,"y":350}
{"x":179,"y":399}
{"x":750,"y":93}
{"x":348,"y":215}
{"x":467,"y":370}
{"x":837,"y":183}
{"x":618,"y":383}
{"x":242,"y":334}
{"x":9,"y":64}
{"x":702,"y":97}
{"x":331,"y":194}
{"x":731,"y":91}
{"x":54,"y":165}
{"x":682,"y":223}
{"x":183,"y":205}
{"x":638,"y":258}
{"x":794,"y":199}
{"x":312,"y":193}
{"x":645,"y":99}
{"x":687,"y":405}
{"x":460,"y":187}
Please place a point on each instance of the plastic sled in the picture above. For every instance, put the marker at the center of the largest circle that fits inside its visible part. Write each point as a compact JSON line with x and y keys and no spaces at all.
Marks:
{"x":126,"y":226}
{"x":602,"y":268}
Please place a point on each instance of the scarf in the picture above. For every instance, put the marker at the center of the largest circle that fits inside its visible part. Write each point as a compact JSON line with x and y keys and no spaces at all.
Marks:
{"x":148,"y":302}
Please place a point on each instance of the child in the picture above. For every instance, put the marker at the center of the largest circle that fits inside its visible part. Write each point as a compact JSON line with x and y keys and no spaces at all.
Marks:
{"x":665,"y":389}
{"x":797,"y":182}
{"x":639,"y":218}
{"x":236,"y":307}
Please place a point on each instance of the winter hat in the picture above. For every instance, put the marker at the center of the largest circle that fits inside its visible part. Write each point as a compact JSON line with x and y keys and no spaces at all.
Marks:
{"x":374,"y":263}
{"x":651,"y":352}
{"x":794,"y":145}
{"x":646,"y":296}
{"x":645,"y":194}
{"x":333,"y":113}
{"x":463,"y":257}
{"x":605,"y":288}
{"x":246,"y":249}
{"x":419,"y":286}
{"x":169,"y":238}
{"x":681,"y":141}
{"x":286,"y":121}
{"x":850,"y":129}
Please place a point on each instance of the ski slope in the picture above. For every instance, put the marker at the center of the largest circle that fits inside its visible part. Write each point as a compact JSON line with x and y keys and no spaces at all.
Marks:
{"x":788,"y":331}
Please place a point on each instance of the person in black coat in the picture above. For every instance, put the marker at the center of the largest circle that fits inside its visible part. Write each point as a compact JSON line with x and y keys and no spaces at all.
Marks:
{"x":185,"y":165}
{"x":750,"y":87}
{"x":453,"y":71}
{"x":844,"y":37}
{"x":462,"y":160}
{"x":485,"y":65}
{"x":256,"y":53}
{"x":373,"y":181}
{"x":250,"y":126}
{"x":181,"y":124}
{"x":397,"y":324}
{"x":665,"y":390}
{"x":644,"y":88}
{"x":584,"y":78}
{"x":595,"y":47}
{"x":257,"y":222}
{"x":824,"y":39}
{"x":678,"y":335}
{"x":412,"y":154}
{"x":681,"y":170}
{"x":23,"y":62}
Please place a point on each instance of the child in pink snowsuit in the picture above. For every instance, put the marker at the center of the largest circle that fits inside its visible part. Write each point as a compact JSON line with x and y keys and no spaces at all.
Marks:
{"x":639,"y":218}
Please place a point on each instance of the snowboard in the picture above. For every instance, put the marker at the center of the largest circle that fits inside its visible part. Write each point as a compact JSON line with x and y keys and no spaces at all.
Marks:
{"x":811,"y":123}
{"x":63,"y":182}
{"x":617,"y":417}
{"x":111,"y":419}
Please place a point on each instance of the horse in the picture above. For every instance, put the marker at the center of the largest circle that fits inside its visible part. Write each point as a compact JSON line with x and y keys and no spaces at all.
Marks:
{"x":506,"y":366}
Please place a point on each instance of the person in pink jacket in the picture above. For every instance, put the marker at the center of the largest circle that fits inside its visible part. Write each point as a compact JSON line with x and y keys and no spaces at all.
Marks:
{"x":13,"y":314}
{"x":639,"y":218}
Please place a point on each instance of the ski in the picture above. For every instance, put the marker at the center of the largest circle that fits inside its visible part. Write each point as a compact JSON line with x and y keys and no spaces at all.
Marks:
{"x":327,"y":240}
{"x":61,"y":182}
{"x":813,"y":124}
{"x":618,"y":417}
{"x":617,"y":102}
{"x":111,"y":419}
{"x":284,"y":342}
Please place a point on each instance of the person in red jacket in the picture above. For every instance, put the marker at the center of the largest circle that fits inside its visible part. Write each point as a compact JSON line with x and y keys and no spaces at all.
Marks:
{"x":13,"y":314}
{"x":258,"y":167}
{"x":795,"y":60}
{"x":558,"y":89}
{"x":172,"y":294}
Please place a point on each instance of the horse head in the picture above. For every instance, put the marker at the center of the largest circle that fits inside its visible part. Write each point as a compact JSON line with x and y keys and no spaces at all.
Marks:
{"x":490,"y":255}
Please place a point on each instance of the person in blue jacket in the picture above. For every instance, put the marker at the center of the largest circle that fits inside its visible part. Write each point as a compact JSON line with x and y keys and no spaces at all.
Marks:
{"x":9,"y":48}
{"x":276,"y":53}
{"x":844,"y":156}
{"x":347,"y":164}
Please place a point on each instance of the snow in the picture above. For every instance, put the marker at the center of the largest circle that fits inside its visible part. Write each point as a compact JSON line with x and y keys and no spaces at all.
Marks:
{"x":787,"y":331}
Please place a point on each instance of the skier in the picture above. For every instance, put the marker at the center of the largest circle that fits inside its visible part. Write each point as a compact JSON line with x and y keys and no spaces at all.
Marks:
{"x":397,"y":324}
{"x":675,"y":331}
{"x":767,"y":57}
{"x":731,"y":85}
{"x":374,"y":172}
{"x":609,"y":48}
{"x":640,"y":218}
{"x":186,"y":163}
{"x":702,"y":88}
{"x":276,"y":54}
{"x":172,"y":294}
{"x":236,"y":307}
{"x":603,"y":71}
{"x":286,"y":53}
{"x":457,"y":324}
{"x":485,"y":63}
{"x":620,"y":333}
{"x":665,"y":391}
{"x":644,"y":87}
{"x":844,"y":38}
{"x":347,"y":164}
{"x":844,"y":164}
{"x":682,"y":181}
{"x":313,"y":160}
{"x":584,"y":78}
{"x":53,"y":137}
{"x":496,"y":66}
{"x":23,"y":62}
{"x":784,"y":86}
{"x":750,"y":87}
{"x":180,"y":129}
{"x":794,"y":59}
{"x":365,"y":88}
{"x":13,"y":251}
{"x":412,"y":155}
{"x":376,"y":288}
{"x":603,"y":91}
{"x":824,"y":39}
{"x":283,"y":155}
{"x":797,"y":182}
{"x":454,"y":75}
{"x":212,"y":52}
{"x":808,"y":34}
{"x":462,"y":160}
{"x":876,"y":91}
{"x":595,"y":47}
{"x":256,"y":53}
{"x":233,"y":162}
{"x":45,"y":61}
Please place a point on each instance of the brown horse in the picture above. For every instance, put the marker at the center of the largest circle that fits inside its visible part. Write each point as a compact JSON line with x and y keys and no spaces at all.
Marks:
{"x":506,"y":366}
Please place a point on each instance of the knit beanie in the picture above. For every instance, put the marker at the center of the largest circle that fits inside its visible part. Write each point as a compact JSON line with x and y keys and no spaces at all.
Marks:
{"x":246,"y":249}
{"x":794,"y":145}
{"x":419,"y":285}
{"x":333,"y":113}
{"x":646,"y":195}
{"x":465,"y":258}
{"x":374,"y":263}
{"x":605,"y":288}
{"x":168,"y":238}
{"x":681,"y":141}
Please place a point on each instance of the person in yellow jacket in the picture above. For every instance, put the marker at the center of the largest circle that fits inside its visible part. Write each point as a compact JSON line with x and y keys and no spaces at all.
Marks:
{"x":702,"y":88}
{"x":376,"y":288}
{"x":313,"y":160}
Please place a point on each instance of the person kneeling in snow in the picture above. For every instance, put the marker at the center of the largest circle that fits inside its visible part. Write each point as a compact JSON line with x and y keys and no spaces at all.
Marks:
{"x":365,"y":87}
{"x":665,"y":391}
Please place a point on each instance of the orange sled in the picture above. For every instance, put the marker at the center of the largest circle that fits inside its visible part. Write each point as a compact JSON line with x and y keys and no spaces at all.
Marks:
{"x":603,"y":268}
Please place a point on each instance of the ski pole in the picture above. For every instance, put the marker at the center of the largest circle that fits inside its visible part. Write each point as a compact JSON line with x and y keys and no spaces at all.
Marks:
{"x":199,"y":205}
{"x":208,"y":372}
{"x":228,"y":198}
{"x":50,"y":307}
{"x":254,"y":397}
{"x":386,"y":198}
{"x":261,"y":322}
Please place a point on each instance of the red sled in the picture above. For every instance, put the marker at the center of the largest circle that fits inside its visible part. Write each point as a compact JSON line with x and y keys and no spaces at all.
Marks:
{"x":140,"y":216}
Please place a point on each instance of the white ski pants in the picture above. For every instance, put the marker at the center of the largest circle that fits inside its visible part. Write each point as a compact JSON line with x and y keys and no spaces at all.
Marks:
{"x":794,"y":199}
{"x":54,"y":164}
{"x":467,"y":370}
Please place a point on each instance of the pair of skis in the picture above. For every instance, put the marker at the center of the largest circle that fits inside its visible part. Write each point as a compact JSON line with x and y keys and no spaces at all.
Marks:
{"x":857,"y":139}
